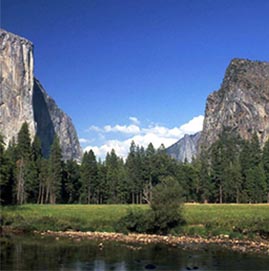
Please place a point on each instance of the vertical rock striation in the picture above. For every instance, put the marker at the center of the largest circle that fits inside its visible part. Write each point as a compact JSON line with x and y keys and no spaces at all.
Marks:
{"x":16,"y":84}
{"x":185,"y":149}
{"x":22,"y":98}
{"x":242,"y":103}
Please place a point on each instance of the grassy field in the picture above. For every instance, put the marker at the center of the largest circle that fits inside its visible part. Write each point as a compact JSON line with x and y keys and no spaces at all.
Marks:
{"x":235,"y":220}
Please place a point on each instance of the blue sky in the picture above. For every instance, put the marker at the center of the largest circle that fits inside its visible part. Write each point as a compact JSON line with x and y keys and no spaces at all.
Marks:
{"x":136,"y":69}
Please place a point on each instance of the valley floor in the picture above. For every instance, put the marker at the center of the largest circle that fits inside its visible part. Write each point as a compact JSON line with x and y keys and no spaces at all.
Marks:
{"x":239,"y":226}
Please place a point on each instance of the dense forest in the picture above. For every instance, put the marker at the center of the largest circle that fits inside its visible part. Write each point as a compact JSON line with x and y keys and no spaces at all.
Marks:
{"x":231,"y":170}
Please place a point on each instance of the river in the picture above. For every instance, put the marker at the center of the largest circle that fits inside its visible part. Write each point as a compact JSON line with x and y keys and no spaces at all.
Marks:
{"x":34,"y":252}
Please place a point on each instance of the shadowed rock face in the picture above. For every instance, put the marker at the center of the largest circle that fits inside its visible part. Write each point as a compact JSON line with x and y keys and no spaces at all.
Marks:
{"x":242,"y":103}
{"x":51,"y":119}
{"x":185,"y":149}
{"x":44,"y":125}
{"x":22,"y":98}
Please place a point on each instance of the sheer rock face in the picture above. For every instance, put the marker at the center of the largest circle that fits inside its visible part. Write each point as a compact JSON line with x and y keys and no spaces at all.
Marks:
{"x":22,"y":98}
{"x":242,"y":103}
{"x":16,"y":84}
{"x":185,"y":149}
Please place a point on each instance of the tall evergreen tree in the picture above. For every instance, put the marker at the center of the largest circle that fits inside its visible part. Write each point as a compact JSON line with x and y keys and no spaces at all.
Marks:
{"x":102,"y":189}
{"x":89,"y":177}
{"x":265,"y":162}
{"x":116,"y":178}
{"x":32,"y":184}
{"x":224,"y":160}
{"x":149,"y":172}
{"x":11,"y":157}
{"x":44,"y":182}
{"x":55,"y":172}
{"x":23,"y":163}
{"x":188,"y":178}
{"x":204,"y":175}
{"x":134,"y":171}
{"x":5,"y":186}
{"x":254,"y":182}
{"x":71,"y":182}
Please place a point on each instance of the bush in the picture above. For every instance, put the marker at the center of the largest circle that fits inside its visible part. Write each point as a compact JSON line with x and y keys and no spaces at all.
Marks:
{"x":167,"y":206}
{"x":136,"y":220}
{"x":165,"y":213}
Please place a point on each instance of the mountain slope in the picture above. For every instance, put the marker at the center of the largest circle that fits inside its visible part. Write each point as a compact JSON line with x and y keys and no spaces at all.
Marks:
{"x":185,"y":149}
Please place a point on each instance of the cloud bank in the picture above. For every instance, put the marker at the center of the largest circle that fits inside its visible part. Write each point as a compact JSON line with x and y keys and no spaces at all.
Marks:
{"x":142,"y":136}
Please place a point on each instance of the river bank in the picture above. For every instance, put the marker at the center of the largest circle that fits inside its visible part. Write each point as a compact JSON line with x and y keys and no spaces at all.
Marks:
{"x":239,"y":221}
{"x":102,"y":251}
{"x":185,"y":242}
{"x":239,"y":227}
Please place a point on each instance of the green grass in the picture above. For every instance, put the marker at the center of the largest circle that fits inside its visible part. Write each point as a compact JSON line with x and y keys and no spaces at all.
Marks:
{"x":63,"y":217}
{"x":235,"y":220}
{"x":201,"y":219}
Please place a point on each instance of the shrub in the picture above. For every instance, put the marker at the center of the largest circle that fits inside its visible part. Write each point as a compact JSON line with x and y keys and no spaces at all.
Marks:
{"x":165,"y":213}
{"x":167,"y":206}
{"x":136,"y":220}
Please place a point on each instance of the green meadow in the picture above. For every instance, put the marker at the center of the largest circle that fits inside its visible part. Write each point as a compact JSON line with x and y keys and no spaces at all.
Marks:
{"x":235,"y":220}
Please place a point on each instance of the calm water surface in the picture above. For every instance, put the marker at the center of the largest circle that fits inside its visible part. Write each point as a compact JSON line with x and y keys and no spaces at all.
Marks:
{"x":47,"y":253}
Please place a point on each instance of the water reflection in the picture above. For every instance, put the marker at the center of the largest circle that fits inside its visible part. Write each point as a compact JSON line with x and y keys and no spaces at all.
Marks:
{"x":39,"y":253}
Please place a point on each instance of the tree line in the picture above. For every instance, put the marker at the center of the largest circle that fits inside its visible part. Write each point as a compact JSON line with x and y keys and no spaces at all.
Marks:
{"x":231,"y":170}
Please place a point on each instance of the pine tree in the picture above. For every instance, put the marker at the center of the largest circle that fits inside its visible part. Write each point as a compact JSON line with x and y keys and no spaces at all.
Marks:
{"x":102,"y":189}
{"x":224,"y":165}
{"x":44,"y":186}
{"x":252,"y":171}
{"x":205,"y":180}
{"x":4,"y":184}
{"x":89,"y":177}
{"x":10,"y":157}
{"x":134,"y":171}
{"x":116,"y":178}
{"x":23,"y":163}
{"x":188,"y":178}
{"x":71,"y":182}
{"x":265,"y":162}
{"x":55,"y":173}
{"x":149,"y":173}
{"x":217,"y":169}
{"x":32,"y":184}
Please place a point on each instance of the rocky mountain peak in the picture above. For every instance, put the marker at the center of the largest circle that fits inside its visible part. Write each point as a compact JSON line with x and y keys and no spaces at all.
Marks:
{"x":185,"y":149}
{"x":242,"y":102}
{"x":22,"y":98}
{"x":244,"y":71}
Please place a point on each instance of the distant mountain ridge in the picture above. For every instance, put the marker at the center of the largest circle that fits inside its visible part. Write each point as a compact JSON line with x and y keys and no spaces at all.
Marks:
{"x":186,"y":148}
{"x":22,"y":98}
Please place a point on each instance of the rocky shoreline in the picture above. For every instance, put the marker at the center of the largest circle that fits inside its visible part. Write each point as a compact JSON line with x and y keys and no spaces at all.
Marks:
{"x":184,"y":242}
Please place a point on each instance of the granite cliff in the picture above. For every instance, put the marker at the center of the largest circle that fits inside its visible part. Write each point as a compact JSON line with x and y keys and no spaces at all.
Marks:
{"x":185,"y":149}
{"x":22,"y":98}
{"x":242,"y":103}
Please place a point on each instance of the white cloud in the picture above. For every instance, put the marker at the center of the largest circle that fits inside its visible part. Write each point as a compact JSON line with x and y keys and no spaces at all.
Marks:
{"x":134,"y":120}
{"x":155,"y":134}
{"x":121,"y":148}
{"x":94,"y":128}
{"x":125,"y":129}
{"x":193,"y":126}
{"x":84,"y":140}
